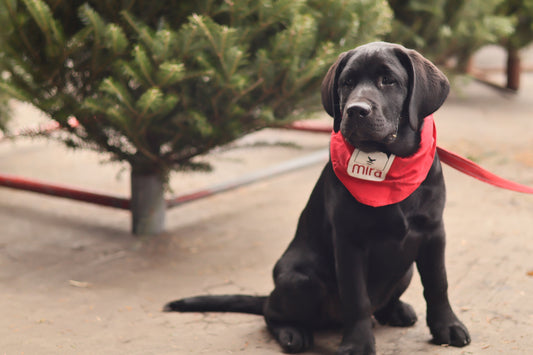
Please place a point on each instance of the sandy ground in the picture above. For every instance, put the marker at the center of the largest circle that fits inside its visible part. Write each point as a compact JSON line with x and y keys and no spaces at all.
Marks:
{"x":74,"y":281}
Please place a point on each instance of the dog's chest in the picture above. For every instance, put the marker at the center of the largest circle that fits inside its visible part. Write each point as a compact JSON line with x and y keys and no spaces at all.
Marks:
{"x":389,"y":260}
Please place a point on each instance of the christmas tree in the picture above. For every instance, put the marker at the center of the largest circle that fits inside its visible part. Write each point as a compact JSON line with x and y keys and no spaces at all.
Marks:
{"x":445,"y":29}
{"x":158,"y":83}
{"x":521,"y":11}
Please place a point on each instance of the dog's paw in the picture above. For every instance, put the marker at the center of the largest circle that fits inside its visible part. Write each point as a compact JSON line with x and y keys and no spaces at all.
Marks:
{"x":293,"y":340}
{"x":454,"y":333}
{"x":366,"y":349}
{"x":402,"y":315}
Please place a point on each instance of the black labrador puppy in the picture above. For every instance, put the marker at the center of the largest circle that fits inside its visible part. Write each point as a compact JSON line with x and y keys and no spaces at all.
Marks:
{"x":356,"y":243}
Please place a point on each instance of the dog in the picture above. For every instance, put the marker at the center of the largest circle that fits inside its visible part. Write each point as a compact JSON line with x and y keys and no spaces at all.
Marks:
{"x":357,"y":242}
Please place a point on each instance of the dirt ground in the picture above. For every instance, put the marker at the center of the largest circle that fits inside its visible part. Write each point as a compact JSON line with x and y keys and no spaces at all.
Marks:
{"x":74,"y":281}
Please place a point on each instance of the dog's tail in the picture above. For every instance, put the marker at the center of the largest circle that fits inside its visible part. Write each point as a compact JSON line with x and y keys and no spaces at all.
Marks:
{"x":222,"y":303}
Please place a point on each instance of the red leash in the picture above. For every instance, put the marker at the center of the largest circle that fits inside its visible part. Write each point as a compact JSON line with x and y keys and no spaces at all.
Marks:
{"x":472,"y":169}
{"x":455,"y":161}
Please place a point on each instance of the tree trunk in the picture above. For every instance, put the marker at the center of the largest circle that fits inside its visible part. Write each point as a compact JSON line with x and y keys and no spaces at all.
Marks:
{"x":465,"y":63}
{"x":148,"y":204}
{"x":513,"y":68}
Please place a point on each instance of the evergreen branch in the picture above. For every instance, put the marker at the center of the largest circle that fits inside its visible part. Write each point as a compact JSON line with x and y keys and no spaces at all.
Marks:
{"x":92,"y":19}
{"x":149,"y":101}
{"x":58,"y":34}
{"x":101,"y":139}
{"x":145,"y":34}
{"x":77,"y":41}
{"x":184,"y":156}
{"x":117,"y":116}
{"x":14,"y":19}
{"x":145,"y":151}
{"x":51,"y":29}
{"x":41,"y":14}
{"x":143,"y":63}
{"x":115,"y":39}
{"x":217,"y":48}
{"x":11,"y":5}
{"x":238,"y":56}
{"x":199,"y":20}
{"x":164,"y":40}
{"x":134,"y":138}
{"x":128,"y":71}
{"x":15,"y":92}
{"x":170,"y":73}
{"x":116,"y":89}
{"x":247,"y":90}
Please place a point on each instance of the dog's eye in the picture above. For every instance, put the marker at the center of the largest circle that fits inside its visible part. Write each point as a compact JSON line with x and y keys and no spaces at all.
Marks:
{"x":387,"y":80}
{"x":348,"y":82}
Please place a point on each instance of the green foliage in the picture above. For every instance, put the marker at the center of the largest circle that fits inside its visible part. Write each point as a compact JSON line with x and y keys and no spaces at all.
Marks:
{"x":158,"y":83}
{"x":4,"y":111}
{"x":446,"y":28}
{"x":521,"y":11}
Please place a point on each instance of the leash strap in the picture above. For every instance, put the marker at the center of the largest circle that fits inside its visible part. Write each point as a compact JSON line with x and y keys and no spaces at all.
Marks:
{"x":472,"y":169}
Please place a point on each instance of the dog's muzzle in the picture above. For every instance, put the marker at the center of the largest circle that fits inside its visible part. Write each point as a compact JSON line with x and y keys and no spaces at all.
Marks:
{"x":365,"y":124}
{"x":358,"y":110}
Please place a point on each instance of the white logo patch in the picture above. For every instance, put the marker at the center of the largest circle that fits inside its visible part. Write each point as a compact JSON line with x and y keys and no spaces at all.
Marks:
{"x":372,"y":166}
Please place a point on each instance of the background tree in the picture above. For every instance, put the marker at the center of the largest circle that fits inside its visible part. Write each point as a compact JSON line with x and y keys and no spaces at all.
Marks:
{"x":445,"y":29}
{"x":158,"y":83}
{"x":521,"y":11}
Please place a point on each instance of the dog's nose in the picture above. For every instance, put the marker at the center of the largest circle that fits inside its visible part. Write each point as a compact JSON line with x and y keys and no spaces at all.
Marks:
{"x":358,"y":109}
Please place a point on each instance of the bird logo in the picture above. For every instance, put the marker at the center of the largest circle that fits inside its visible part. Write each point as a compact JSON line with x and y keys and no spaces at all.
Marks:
{"x":370,"y":161}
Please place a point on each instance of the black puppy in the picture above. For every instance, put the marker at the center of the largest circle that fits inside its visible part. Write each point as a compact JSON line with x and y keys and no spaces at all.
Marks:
{"x":360,"y":234}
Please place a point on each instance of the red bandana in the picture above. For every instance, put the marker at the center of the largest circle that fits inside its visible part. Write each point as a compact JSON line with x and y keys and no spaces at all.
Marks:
{"x":377,"y":179}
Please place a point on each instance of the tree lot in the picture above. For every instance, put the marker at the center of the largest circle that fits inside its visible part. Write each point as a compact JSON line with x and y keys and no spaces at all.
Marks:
{"x":158,"y":84}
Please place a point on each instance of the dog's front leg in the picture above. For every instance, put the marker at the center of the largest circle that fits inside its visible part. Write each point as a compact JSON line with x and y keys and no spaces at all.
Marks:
{"x":444,"y":325}
{"x":358,"y":338}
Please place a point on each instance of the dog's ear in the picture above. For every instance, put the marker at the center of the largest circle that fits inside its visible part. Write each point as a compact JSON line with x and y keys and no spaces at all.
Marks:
{"x":428,"y":86}
{"x":330,"y":96}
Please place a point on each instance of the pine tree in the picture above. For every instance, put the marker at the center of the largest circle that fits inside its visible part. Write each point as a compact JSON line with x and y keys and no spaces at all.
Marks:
{"x":521,"y":11}
{"x":449,"y":28}
{"x":158,"y":83}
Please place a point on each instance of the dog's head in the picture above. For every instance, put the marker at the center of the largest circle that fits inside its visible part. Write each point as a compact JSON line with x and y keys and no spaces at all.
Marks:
{"x":379,"y":94}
